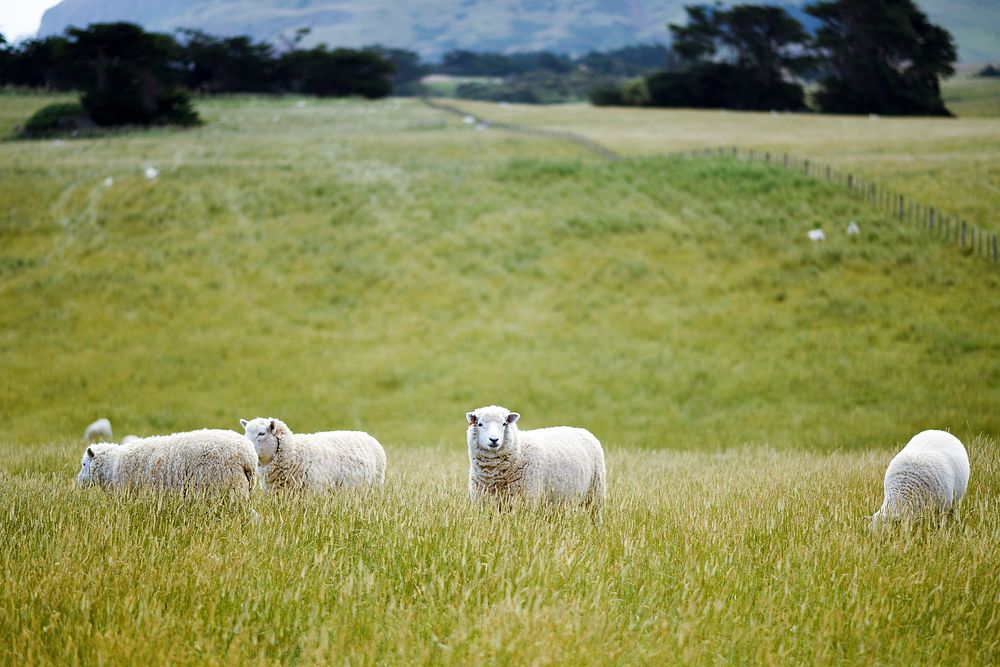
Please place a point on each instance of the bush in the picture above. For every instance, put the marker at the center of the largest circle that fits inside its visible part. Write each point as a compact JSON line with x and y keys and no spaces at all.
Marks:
{"x":606,"y":96}
{"x":56,"y":120}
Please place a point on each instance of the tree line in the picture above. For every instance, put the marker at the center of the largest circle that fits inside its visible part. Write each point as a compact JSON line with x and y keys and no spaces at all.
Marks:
{"x":867,"y":56}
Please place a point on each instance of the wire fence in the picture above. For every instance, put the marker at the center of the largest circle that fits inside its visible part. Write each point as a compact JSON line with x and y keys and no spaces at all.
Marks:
{"x":971,"y":239}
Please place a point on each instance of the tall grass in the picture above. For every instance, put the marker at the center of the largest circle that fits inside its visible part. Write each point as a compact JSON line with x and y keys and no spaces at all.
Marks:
{"x":364,"y":265}
{"x":750,"y":555}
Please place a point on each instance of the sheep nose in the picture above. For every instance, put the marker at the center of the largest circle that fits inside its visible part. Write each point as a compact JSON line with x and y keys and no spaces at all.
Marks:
{"x":494,"y":440}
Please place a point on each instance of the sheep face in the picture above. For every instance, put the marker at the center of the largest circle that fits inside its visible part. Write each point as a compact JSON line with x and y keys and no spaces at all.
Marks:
{"x":492,"y":429}
{"x":90,"y":464}
{"x":263,"y":435}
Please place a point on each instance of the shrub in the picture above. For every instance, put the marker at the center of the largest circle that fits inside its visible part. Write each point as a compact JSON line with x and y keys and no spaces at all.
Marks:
{"x":606,"y":96}
{"x":55,"y":120}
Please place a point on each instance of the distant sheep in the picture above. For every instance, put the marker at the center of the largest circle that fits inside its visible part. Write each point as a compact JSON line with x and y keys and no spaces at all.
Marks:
{"x":816,"y":235}
{"x":550,"y":464}
{"x":930,"y":474}
{"x":98,"y":431}
{"x":314,"y":461}
{"x":853,"y":229}
{"x":206,"y":459}
{"x":129,"y":438}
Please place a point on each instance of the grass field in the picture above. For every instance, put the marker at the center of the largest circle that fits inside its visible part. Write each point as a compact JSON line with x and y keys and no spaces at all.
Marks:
{"x":947,"y":163}
{"x":384,"y":267}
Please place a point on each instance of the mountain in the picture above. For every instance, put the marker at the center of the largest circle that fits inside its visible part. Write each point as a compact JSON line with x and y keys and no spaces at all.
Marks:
{"x":431,"y":28}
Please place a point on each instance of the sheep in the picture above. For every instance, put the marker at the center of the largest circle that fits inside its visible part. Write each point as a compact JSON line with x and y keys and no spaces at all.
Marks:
{"x":930,"y":473}
{"x":549,"y":464}
{"x":98,"y":431}
{"x":315,"y":461}
{"x":129,"y":438}
{"x":816,"y":235}
{"x":853,"y":229}
{"x":151,"y":173}
{"x":204,"y":460}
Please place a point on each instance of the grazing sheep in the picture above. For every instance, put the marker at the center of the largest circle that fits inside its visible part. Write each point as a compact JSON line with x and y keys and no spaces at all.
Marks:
{"x":930,"y":474}
{"x":205,"y":460}
{"x":151,"y":173}
{"x":550,"y":464}
{"x":314,"y":461}
{"x":853,"y":229}
{"x":98,"y":431}
{"x":816,"y":235}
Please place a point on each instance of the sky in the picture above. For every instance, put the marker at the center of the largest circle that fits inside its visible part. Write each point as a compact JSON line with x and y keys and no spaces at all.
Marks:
{"x":21,"y":18}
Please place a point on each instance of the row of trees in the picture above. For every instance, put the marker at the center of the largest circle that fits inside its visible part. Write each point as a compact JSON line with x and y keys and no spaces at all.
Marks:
{"x":869,"y":56}
{"x":196,"y":61}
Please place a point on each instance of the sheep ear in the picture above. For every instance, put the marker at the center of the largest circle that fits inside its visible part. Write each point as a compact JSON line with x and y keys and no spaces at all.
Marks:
{"x":471,"y":416}
{"x":272,"y":426}
{"x":243,"y":423}
{"x":513,"y":417}
{"x":90,"y":452}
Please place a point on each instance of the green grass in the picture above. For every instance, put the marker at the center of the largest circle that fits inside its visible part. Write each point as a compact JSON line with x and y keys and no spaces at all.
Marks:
{"x":364,"y":265}
{"x":947,"y":163}
{"x":968,"y":97}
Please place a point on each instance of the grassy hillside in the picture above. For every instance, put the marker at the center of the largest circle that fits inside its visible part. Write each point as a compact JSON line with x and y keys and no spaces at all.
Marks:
{"x":385,"y":267}
{"x":946,"y":163}
{"x":970,"y":97}
{"x":360,"y":264}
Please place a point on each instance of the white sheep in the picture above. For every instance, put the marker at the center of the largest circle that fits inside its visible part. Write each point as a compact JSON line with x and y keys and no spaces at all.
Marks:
{"x":314,"y":461}
{"x":930,"y":474}
{"x":129,"y":438}
{"x":206,"y":459}
{"x":550,"y":464}
{"x":98,"y":431}
{"x":816,"y":235}
{"x":853,"y":229}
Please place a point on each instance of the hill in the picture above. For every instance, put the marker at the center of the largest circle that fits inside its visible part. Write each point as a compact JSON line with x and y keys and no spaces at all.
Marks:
{"x":345,"y":264}
{"x":431,"y":28}
{"x":376,"y":256}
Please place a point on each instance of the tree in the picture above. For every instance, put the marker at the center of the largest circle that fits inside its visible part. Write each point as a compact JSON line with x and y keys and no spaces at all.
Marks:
{"x":130,"y":75}
{"x":337,"y":73}
{"x":227,"y":64}
{"x":884,"y":56}
{"x":736,"y":58}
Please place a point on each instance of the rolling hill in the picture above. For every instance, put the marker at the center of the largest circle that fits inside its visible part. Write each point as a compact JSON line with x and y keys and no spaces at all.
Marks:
{"x":431,"y":28}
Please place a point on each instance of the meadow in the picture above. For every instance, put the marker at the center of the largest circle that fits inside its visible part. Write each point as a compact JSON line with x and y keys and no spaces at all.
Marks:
{"x":382,"y":266}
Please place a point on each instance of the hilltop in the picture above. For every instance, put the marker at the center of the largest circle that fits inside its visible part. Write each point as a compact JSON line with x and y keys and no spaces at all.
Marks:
{"x":431,"y":28}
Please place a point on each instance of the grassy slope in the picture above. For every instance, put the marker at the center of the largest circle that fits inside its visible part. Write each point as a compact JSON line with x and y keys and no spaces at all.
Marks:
{"x":971,"y":97}
{"x":335,"y":263}
{"x":357,"y":265}
{"x":946,"y":163}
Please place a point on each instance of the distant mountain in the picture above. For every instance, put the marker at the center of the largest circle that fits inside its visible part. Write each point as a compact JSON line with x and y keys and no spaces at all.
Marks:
{"x":432,"y":27}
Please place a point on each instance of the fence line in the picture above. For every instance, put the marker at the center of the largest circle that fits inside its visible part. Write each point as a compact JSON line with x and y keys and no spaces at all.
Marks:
{"x":975,"y":240}
{"x":978,"y":241}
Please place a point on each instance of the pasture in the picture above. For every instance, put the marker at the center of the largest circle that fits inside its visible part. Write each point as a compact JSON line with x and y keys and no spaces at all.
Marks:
{"x":385,"y":267}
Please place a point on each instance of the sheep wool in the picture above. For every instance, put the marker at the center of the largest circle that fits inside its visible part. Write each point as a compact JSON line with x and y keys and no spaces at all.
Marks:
{"x":930,"y":474}
{"x":314,"y":461}
{"x":98,"y":431}
{"x":206,"y":459}
{"x":555,"y":464}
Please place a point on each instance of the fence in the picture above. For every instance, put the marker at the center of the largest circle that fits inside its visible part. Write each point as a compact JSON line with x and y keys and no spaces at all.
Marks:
{"x":979,"y":242}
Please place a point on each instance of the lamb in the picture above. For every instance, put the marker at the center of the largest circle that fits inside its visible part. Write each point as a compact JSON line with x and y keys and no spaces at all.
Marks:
{"x":816,"y":235}
{"x":549,"y":464}
{"x":98,"y":431}
{"x":315,"y":461}
{"x":204,"y":460}
{"x":930,"y":474}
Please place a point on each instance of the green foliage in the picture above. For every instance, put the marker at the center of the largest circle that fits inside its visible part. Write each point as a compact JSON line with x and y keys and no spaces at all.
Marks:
{"x":56,"y":120}
{"x":722,"y":86}
{"x":338,"y":73}
{"x":606,"y":95}
{"x":885,"y":57}
{"x":128,"y":78}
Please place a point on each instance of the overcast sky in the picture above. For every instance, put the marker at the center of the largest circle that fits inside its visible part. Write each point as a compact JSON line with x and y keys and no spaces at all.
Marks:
{"x":20,"y":18}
